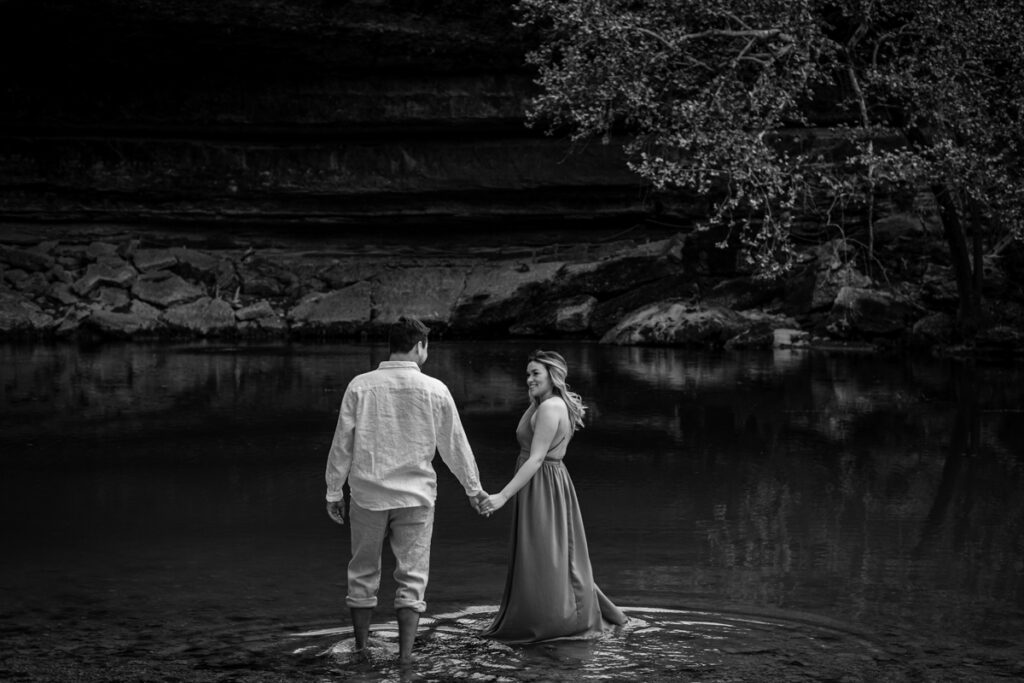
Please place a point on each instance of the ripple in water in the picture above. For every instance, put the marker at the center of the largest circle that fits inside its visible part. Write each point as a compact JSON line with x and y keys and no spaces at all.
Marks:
{"x":656,"y":644}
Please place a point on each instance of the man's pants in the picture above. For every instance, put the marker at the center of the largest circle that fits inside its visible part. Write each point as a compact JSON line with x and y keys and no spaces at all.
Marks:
{"x":410,"y":530}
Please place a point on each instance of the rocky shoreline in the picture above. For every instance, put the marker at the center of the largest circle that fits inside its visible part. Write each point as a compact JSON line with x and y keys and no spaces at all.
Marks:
{"x":647,"y":289}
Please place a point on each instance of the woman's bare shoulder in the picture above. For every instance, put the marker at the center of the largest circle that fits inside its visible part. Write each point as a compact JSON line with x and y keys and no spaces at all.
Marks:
{"x":554,"y":405}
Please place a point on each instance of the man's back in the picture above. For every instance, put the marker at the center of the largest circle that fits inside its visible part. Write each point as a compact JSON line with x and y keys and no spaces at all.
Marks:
{"x":392,"y":421}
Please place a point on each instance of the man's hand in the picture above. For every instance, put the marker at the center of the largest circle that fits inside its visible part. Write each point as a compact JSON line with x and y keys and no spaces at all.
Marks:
{"x":336,"y":510}
{"x":491,"y":504}
{"x":477,"y":500}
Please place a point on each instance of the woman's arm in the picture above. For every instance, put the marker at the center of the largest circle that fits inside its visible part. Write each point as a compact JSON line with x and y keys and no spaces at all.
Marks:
{"x":549,"y":414}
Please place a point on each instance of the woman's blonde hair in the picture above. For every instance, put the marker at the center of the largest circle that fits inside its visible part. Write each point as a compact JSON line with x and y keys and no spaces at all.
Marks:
{"x":558,"y":370}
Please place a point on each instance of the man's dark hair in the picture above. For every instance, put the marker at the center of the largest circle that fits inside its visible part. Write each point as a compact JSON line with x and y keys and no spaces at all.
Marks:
{"x":404,"y":334}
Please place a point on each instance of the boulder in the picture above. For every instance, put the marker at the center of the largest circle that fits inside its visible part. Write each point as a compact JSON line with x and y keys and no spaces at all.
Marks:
{"x":788,"y":338}
{"x":30,"y":260}
{"x":893,"y":227}
{"x":611,"y":276}
{"x":62,"y":294}
{"x":109,"y":271}
{"x":608,"y":313}
{"x":163,"y":288}
{"x":263,"y":327}
{"x":205,"y":316}
{"x":59,"y":274}
{"x":341,"y":274}
{"x":757,"y":337}
{"x":196,"y":265}
{"x":1000,"y":338}
{"x":111,"y":298}
{"x":96,"y":250}
{"x":14,"y":276}
{"x":742,"y":293}
{"x":935,"y":329}
{"x":865,"y":313}
{"x":140,"y":319}
{"x":829,"y":281}
{"x":681,"y":323}
{"x":496,"y":295}
{"x":427,"y":293}
{"x":19,"y":316}
{"x":147,"y":260}
{"x":562,"y":316}
{"x":226,"y":280}
{"x":127,"y":248}
{"x":35,"y":284}
{"x":69,"y":325}
{"x":938,"y":287}
{"x":345,"y":311}
{"x":256,"y":311}
{"x":261,"y":277}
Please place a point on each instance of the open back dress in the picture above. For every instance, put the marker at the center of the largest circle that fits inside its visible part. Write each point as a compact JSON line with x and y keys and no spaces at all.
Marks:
{"x":549,"y":589}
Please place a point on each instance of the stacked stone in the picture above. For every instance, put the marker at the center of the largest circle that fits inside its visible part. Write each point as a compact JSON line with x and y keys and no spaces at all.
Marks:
{"x":671,"y":291}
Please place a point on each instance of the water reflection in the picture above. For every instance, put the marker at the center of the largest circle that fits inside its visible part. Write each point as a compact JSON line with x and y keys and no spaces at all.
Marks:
{"x":160,"y":508}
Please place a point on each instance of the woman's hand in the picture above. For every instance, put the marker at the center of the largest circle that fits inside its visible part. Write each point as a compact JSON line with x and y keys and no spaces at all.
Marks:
{"x":492,"y":504}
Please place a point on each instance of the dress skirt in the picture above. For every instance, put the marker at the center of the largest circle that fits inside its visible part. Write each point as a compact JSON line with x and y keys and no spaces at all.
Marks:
{"x":549,"y":589}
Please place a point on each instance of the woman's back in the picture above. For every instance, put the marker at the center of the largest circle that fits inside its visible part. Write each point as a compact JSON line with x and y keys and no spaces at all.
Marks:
{"x":559,"y":444}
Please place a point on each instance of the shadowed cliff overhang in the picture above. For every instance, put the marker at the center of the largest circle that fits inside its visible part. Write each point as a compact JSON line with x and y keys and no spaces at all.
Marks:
{"x":292,"y":110}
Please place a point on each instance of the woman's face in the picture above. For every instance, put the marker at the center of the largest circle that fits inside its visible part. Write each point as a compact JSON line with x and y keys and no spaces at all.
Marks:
{"x":538,"y":381}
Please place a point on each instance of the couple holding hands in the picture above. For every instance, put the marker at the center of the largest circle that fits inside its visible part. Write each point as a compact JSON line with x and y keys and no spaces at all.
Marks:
{"x":391,"y":423}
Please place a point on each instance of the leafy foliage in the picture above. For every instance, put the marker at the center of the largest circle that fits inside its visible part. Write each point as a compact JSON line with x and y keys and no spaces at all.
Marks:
{"x":927,"y":93}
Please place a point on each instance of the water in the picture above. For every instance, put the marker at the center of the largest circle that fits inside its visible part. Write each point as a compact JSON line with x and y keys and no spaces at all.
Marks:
{"x":770,"y":516}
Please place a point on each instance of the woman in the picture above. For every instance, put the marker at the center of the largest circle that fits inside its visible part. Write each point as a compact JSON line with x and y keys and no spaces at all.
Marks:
{"x":549,"y":590}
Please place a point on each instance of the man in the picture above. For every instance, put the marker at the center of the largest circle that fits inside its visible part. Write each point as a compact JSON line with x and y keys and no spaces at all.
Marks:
{"x":391,"y":423}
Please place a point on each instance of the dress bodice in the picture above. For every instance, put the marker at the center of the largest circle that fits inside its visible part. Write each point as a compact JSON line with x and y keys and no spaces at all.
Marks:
{"x":524,"y":435}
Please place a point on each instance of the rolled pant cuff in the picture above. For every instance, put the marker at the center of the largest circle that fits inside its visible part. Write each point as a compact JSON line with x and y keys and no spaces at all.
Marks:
{"x":419,"y":607}
{"x":365,"y":603}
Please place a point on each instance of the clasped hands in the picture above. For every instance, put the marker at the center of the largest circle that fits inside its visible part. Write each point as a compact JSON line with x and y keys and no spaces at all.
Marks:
{"x":486,"y":504}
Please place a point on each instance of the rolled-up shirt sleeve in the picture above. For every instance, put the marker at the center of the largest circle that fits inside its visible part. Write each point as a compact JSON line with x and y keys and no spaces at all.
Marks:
{"x":453,"y":445}
{"x":339,"y":460}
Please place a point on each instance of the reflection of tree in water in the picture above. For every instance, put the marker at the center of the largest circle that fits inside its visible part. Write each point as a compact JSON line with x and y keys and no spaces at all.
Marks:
{"x":874,"y":492}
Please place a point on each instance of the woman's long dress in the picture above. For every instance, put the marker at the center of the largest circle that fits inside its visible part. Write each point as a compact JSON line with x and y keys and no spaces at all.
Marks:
{"x":549,"y":590}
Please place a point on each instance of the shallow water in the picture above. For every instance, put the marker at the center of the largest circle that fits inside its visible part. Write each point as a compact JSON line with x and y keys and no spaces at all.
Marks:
{"x":770,"y":516}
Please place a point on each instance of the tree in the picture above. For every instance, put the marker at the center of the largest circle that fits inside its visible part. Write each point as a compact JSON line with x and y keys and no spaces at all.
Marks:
{"x":721,"y":98}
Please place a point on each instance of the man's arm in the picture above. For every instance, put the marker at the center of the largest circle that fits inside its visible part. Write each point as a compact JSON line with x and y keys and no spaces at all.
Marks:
{"x":339,"y":459}
{"x":453,"y":446}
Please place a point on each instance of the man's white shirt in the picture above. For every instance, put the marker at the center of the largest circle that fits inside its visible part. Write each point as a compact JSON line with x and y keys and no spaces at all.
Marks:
{"x":391,"y":422}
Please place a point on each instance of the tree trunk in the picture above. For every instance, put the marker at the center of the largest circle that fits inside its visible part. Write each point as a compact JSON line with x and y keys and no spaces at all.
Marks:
{"x":977,"y":232}
{"x":968,"y":281}
{"x":970,"y":308}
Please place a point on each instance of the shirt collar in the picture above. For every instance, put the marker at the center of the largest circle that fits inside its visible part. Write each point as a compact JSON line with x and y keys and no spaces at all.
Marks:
{"x":394,"y":364}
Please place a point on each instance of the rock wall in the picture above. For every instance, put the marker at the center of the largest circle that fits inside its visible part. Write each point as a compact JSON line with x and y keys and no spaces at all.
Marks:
{"x":231,"y":169}
{"x":644,"y":287}
{"x":283,"y":113}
